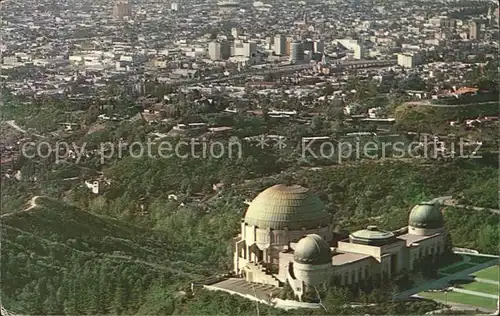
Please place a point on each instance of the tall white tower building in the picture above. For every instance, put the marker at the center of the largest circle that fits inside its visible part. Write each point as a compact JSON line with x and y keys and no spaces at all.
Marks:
{"x":474,"y":30}
{"x":409,"y":60}
{"x":319,"y":46}
{"x":214,"y":51}
{"x":218,"y":50}
{"x":235,"y":33}
{"x":359,"y":51}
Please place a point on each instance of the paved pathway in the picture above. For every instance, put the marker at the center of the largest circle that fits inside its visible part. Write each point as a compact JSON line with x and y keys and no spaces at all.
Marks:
{"x":262,"y":293}
{"x":486,"y":281}
{"x":32,"y":204}
{"x":461,"y":307}
{"x":447,"y":201}
{"x":240,"y":286}
{"x":429,"y":103}
{"x":475,"y":293}
{"x":13,"y":124}
{"x":475,"y":208}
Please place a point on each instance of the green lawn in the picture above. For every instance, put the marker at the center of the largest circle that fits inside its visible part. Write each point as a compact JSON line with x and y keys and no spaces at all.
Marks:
{"x":458,"y":268}
{"x":479,"y":259}
{"x":491,"y":273}
{"x":454,"y":297}
{"x":481,"y":287}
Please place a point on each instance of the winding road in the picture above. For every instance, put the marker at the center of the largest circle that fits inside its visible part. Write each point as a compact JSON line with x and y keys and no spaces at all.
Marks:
{"x":448,"y":201}
{"x":31,"y":204}
{"x":13,"y":124}
{"x":475,"y":208}
{"x":429,"y":103}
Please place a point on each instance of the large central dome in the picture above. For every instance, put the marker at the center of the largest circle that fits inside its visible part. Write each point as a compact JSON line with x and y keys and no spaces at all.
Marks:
{"x":283,"y":206}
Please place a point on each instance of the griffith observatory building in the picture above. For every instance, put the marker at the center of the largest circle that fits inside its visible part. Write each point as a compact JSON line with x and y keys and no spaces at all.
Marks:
{"x":287,"y":237}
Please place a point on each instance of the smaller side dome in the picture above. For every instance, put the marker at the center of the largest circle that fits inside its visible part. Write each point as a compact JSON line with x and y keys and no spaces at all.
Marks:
{"x":427,"y":216}
{"x":312,"y":249}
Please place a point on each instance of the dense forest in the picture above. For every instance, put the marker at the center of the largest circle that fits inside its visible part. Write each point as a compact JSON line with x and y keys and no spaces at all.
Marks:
{"x":58,"y":259}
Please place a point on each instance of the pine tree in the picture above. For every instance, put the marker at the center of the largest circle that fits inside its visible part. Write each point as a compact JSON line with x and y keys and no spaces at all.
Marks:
{"x":93,"y":299}
{"x":119,"y":304}
{"x":103,"y":295}
{"x":52,"y":306}
{"x":70,"y":303}
{"x":30,"y":298}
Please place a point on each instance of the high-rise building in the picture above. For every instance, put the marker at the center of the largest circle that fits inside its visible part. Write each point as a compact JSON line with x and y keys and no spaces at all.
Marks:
{"x":268,"y":44}
{"x":408,"y":60}
{"x":319,"y":46}
{"x":448,"y":23}
{"x":122,"y":9}
{"x":296,"y":51}
{"x":359,"y":51}
{"x":492,"y":15}
{"x":225,"y":49}
{"x":219,"y":50}
{"x":280,"y":45}
{"x":174,"y":6}
{"x":214,"y":51}
{"x":474,"y":31}
{"x":235,"y":33}
{"x":288,"y":43}
{"x":237,"y":48}
{"x":308,"y":45}
{"x":249,"y":49}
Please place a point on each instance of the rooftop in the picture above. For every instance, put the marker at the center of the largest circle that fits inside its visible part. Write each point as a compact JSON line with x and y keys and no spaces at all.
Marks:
{"x":346,"y":258}
{"x":410,"y":239}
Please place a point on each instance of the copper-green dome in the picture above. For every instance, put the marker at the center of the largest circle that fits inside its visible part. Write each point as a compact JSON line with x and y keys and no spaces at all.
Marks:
{"x":426,"y":215}
{"x":312,"y":249}
{"x":281,"y":206}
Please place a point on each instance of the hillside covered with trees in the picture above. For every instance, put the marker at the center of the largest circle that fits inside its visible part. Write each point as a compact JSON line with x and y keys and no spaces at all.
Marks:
{"x":58,"y":259}
{"x":144,"y":263}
